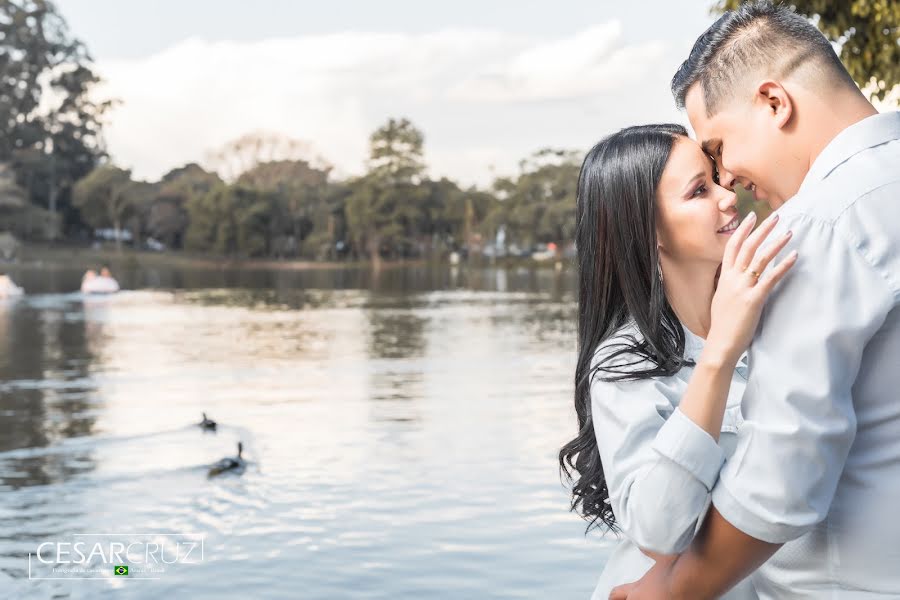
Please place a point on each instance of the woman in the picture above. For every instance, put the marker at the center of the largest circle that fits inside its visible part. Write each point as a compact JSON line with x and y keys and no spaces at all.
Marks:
{"x":671,"y":289}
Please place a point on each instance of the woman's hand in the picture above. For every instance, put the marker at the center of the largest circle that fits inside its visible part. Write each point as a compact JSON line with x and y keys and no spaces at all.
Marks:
{"x":744,"y":284}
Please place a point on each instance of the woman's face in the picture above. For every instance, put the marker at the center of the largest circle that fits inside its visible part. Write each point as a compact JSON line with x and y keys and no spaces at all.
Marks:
{"x":695,"y":216}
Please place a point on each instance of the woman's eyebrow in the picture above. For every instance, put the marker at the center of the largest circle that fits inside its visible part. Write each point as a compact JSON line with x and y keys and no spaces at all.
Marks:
{"x":690,"y":182}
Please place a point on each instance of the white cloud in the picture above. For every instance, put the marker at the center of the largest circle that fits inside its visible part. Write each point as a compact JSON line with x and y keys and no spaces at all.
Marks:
{"x":589,"y":62}
{"x":484,"y":99}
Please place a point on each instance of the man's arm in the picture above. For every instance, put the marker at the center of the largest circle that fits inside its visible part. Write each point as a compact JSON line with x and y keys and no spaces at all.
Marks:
{"x":720,"y":557}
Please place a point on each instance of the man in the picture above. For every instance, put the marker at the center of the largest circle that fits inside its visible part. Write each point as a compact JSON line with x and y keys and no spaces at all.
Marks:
{"x":815,"y":479}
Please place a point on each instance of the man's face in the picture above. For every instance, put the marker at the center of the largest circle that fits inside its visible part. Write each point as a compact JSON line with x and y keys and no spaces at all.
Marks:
{"x":747,"y":144}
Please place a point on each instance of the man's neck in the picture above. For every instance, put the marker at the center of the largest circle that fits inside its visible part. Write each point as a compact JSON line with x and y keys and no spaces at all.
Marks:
{"x":833,"y":117}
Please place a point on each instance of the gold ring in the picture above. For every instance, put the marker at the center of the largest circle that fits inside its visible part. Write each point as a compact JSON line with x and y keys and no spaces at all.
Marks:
{"x":754,"y":273}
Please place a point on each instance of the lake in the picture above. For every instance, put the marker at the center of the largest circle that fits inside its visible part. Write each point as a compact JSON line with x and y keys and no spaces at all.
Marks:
{"x":401,"y":435}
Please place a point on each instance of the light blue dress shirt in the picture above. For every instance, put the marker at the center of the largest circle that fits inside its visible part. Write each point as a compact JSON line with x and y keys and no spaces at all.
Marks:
{"x":659,"y":465}
{"x":817,"y":462}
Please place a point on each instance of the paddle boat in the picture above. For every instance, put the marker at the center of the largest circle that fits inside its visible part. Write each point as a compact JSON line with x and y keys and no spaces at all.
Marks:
{"x":8,"y":289}
{"x":104,"y":283}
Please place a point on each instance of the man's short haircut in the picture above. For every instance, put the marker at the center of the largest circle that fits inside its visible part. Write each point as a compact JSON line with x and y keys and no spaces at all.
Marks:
{"x":742,"y":42}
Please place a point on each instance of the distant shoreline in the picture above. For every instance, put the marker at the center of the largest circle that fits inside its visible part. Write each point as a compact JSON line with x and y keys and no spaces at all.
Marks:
{"x":66,"y":255}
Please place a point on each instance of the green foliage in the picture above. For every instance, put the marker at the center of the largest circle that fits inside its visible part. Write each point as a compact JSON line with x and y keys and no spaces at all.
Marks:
{"x":107,"y":196}
{"x":539,"y":206}
{"x":302,"y":202}
{"x":868,"y":31}
{"x":395,"y":152}
{"x":103,"y":196}
{"x":166,"y":218}
{"x":230,"y":221}
{"x":377,"y":214}
{"x":50,"y":130}
{"x":383,"y":209}
{"x":18,"y":216}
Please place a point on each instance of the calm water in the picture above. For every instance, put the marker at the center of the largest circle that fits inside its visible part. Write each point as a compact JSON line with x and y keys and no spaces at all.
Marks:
{"x":401,"y":433}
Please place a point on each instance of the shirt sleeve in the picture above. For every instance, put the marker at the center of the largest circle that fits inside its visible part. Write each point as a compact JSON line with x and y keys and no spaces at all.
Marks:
{"x":799,"y":419}
{"x":659,"y":470}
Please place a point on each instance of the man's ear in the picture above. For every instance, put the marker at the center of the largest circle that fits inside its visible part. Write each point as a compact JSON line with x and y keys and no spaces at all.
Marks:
{"x":776,"y":99}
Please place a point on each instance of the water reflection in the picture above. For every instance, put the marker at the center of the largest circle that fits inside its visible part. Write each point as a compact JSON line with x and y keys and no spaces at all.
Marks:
{"x":45,"y":395}
{"x":396,"y":345}
{"x":401,"y":430}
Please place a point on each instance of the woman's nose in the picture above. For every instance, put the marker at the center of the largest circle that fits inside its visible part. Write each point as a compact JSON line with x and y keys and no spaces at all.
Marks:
{"x":728,"y":201}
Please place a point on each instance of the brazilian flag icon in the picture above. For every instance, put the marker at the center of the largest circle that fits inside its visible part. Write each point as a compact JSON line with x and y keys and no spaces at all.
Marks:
{"x":121,"y":570}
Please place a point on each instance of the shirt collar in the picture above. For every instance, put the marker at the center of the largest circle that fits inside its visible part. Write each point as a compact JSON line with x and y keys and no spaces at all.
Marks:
{"x":693,"y":344}
{"x":871,"y":131}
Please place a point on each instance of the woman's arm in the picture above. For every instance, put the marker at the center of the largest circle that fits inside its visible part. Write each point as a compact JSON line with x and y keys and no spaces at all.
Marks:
{"x":660,"y":471}
{"x":735,"y":311}
{"x":707,"y":392}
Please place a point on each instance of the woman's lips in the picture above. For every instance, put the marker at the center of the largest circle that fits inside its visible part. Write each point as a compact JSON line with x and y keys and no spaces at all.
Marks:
{"x":731,"y":226}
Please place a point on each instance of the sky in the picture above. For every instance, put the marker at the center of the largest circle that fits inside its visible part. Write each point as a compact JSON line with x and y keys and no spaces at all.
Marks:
{"x":488,"y":82}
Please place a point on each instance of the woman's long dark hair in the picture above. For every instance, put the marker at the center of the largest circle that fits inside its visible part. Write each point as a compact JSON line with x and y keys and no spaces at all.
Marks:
{"x":619,"y":283}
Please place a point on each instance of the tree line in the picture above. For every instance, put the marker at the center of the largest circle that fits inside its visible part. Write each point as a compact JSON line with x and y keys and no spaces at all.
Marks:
{"x":57,"y":180}
{"x":293,"y":208}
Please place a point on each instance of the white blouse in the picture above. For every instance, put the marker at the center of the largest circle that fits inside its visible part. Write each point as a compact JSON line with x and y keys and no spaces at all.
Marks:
{"x":659,"y":465}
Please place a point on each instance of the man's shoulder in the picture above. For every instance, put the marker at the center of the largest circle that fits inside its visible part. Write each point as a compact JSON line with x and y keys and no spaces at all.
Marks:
{"x":854,"y":211}
{"x":856,"y":184}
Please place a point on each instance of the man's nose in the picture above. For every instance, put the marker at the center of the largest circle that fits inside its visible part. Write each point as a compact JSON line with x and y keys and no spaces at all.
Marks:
{"x":727,"y":179}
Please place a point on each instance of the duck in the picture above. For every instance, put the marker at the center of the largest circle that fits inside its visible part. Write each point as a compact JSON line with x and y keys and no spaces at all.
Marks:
{"x":228,"y":463}
{"x":207,"y":423}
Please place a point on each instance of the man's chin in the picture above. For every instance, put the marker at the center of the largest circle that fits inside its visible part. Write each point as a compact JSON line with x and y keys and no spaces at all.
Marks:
{"x":763,"y":196}
{"x":774,"y":203}
{"x":771,"y":200}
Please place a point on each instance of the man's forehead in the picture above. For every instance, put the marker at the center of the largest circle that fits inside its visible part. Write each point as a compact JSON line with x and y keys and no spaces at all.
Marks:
{"x":695,"y":102}
{"x":703,"y":125}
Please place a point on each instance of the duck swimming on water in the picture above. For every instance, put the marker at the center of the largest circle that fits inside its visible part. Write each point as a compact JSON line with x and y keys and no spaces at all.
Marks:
{"x":235,"y":464}
{"x":207,"y":423}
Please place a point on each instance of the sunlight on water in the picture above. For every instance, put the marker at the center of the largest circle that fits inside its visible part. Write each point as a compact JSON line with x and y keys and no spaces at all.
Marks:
{"x":400,"y":434}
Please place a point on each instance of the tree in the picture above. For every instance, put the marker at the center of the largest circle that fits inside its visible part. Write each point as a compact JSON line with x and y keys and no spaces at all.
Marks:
{"x":452,"y":218}
{"x":107,"y":197}
{"x":246,"y":152}
{"x":867,"y":32}
{"x":395,"y":152}
{"x":539,"y":205}
{"x":51,"y":129}
{"x":230,"y":220}
{"x":167,"y":218}
{"x":384,"y":205}
{"x":17,"y":215}
{"x":301,"y":195}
